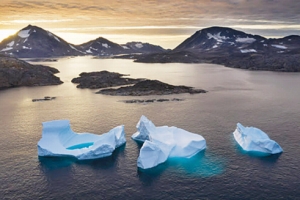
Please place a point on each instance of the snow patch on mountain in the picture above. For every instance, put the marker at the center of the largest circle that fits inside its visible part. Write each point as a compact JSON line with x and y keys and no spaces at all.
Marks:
{"x":125,"y":47}
{"x":11,"y":44}
{"x":91,"y":48}
{"x":73,"y":47}
{"x":24,"y":33}
{"x":51,"y":35}
{"x":248,"y":51}
{"x":139,"y":45}
{"x":245,"y":40}
{"x":105,"y":45}
{"x":7,"y":49}
{"x":217,"y":37}
{"x":279,"y":46}
{"x":24,"y":47}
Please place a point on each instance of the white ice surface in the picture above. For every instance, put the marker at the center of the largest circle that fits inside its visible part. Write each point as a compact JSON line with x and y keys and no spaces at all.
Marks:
{"x":254,"y":139}
{"x":58,"y":139}
{"x":24,"y":33}
{"x":163,"y":142}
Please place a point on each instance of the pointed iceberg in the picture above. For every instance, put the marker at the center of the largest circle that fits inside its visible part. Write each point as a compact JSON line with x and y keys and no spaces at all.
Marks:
{"x":254,"y":139}
{"x":58,"y":139}
{"x":163,"y":142}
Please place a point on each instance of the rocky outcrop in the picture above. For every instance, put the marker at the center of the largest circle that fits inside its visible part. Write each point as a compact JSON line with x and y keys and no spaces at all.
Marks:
{"x":46,"y":98}
{"x":15,"y":73}
{"x":102,"y":79}
{"x":150,"y":87}
{"x":145,"y":101}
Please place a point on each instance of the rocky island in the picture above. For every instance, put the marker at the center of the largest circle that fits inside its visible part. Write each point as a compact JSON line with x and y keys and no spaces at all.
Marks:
{"x":15,"y":73}
{"x":103,"y":79}
{"x":131,"y":87}
{"x":149,"y":87}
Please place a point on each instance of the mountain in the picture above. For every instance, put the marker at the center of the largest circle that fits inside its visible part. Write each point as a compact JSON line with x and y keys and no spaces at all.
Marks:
{"x":101,"y":47}
{"x":33,"y":41}
{"x":233,"y":48}
{"x":104,"y":47}
{"x":229,"y":41}
{"x":139,"y":47}
{"x":16,"y":73}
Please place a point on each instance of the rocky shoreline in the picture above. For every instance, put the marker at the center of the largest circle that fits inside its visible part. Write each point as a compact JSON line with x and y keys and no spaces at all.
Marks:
{"x":254,"y":61}
{"x":16,"y":73}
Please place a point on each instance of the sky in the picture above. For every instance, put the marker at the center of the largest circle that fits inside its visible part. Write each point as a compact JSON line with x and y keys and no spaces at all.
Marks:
{"x":161,"y":22}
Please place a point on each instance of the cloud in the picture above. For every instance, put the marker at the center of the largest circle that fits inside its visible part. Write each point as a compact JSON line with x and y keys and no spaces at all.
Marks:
{"x":136,"y":9}
{"x":90,"y":14}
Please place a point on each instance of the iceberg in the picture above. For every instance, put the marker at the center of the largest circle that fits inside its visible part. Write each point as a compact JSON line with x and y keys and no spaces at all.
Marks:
{"x":58,"y":139}
{"x":254,"y":139}
{"x":163,"y":142}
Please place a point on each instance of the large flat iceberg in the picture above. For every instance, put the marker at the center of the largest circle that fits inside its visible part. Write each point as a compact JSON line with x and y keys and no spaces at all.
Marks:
{"x":163,"y":142}
{"x":254,"y":139}
{"x":58,"y":139}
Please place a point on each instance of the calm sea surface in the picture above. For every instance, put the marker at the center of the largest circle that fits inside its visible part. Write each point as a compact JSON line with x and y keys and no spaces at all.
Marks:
{"x":267,"y":100}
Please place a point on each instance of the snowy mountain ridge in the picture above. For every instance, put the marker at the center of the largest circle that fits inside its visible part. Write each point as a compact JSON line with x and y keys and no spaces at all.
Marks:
{"x":223,"y":39}
{"x":33,"y":41}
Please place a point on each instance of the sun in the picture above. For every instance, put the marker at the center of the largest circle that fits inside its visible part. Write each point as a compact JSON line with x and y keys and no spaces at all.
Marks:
{"x":4,"y":33}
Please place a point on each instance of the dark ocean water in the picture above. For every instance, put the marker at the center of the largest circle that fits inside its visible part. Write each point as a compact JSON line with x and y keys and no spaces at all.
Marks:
{"x":267,"y":100}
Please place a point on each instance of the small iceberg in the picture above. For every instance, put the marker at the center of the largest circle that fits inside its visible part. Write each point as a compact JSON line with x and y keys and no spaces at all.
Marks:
{"x":58,"y":139}
{"x":163,"y":142}
{"x":254,"y":139}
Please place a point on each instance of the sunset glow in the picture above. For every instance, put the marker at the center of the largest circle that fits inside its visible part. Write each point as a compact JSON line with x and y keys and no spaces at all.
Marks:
{"x":165,"y":23}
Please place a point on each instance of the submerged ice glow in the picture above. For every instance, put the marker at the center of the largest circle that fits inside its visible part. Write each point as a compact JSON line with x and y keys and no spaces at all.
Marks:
{"x":163,"y":142}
